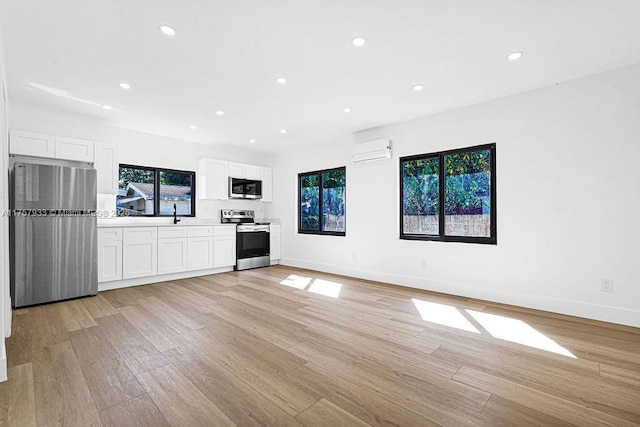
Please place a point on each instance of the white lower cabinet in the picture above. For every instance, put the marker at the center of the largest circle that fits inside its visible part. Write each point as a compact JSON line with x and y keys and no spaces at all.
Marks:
{"x":139,"y":252}
{"x":109,"y":254}
{"x":274,"y":242}
{"x":136,"y":252}
{"x":172,"y":255}
{"x":200,"y":249}
{"x":224,"y":246}
{"x":200,"y":253}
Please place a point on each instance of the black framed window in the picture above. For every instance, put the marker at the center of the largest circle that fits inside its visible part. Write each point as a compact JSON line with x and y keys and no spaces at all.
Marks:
{"x":321,"y":202}
{"x":449,"y":195}
{"x":147,"y":191}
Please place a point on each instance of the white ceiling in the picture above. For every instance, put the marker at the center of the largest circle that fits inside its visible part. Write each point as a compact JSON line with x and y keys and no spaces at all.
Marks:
{"x":70,"y":55}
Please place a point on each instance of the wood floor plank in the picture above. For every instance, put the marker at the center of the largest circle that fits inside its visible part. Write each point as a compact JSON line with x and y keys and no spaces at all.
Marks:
{"x":181,"y":403}
{"x":204,"y":286}
{"x":75,"y":315}
{"x":98,"y":306}
{"x":583,"y":388}
{"x":547,"y":404}
{"x":184,"y":301}
{"x":225,"y":331}
{"x":172,"y":317}
{"x":137,"y":412}
{"x":325,"y":413}
{"x":620,"y":374}
{"x":426,"y":394}
{"x":256,"y":371}
{"x":138,"y":353}
{"x":506,"y":412}
{"x":61,"y":393}
{"x":105,"y":371}
{"x":361,"y":402}
{"x":153,"y":329}
{"x":245,"y":347}
{"x":17,"y":397}
{"x":270,"y":327}
{"x":46,"y":326}
{"x":242,"y":404}
{"x":125,"y":296}
{"x":19,"y":344}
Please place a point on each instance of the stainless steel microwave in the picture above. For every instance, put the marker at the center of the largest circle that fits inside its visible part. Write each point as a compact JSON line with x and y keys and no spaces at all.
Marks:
{"x":245,"y":188}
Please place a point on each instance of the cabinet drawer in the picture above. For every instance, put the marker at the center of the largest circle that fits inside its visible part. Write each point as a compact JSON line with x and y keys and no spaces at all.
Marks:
{"x":109,"y":234}
{"x":224,"y":230}
{"x":171,"y":232}
{"x":200,"y":231}
{"x":141,"y":233}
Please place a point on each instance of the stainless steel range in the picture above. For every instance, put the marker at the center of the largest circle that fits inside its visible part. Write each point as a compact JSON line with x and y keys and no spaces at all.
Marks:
{"x":252,"y":239}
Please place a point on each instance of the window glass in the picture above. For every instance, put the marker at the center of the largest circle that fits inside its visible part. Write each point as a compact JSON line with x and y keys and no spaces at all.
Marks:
{"x":467,"y":194}
{"x":175,"y":189}
{"x":321,"y":200}
{"x":146,"y":191}
{"x":333,"y":187}
{"x":136,"y":191}
{"x":310,"y":202}
{"x":421,"y":196}
{"x":449,"y":196}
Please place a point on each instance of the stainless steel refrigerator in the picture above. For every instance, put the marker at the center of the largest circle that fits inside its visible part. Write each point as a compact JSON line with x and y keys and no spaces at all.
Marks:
{"x":53,"y":233}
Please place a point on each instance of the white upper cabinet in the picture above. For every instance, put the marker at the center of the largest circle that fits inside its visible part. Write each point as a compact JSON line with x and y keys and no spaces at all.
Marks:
{"x":74,"y":149}
{"x":252,"y":172}
{"x":267,"y":184}
{"x":213,"y":182}
{"x":106,"y":165}
{"x":50,"y":146}
{"x":236,"y":170}
{"x":241,"y":170}
{"x":31,"y":144}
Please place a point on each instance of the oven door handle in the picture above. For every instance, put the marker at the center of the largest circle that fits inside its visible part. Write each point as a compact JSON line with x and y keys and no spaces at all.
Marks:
{"x":253,"y":231}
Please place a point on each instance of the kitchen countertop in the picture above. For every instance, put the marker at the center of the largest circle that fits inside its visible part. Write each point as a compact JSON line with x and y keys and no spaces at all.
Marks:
{"x":168,"y":222}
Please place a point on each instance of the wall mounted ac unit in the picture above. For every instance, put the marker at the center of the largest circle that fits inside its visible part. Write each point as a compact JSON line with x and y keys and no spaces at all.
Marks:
{"x":380,"y":149}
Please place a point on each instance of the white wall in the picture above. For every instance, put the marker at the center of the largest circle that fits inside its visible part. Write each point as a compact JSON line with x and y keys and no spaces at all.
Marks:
{"x":145,"y":150}
{"x":5,"y":301}
{"x":568,"y":202}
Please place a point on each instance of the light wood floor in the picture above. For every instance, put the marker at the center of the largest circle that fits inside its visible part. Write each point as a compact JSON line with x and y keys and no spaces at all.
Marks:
{"x":263,"y":347}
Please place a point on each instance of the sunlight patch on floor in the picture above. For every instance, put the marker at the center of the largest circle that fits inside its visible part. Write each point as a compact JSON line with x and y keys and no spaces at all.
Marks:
{"x":442,"y":314}
{"x":317,"y":286}
{"x":298,"y":282}
{"x":325,"y":287}
{"x":517,"y":331}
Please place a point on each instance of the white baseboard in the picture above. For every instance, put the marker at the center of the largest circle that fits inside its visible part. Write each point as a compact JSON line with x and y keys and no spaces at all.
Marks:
{"x":107,"y":286}
{"x":605,"y":313}
{"x":3,"y":363}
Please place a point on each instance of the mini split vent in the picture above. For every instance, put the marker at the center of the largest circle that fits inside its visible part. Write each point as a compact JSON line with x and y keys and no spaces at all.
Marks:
{"x":371,"y":151}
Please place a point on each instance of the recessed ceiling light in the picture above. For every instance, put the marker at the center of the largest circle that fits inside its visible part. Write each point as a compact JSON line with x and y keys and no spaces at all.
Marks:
{"x":125,"y":86}
{"x":252,"y":141}
{"x":347,"y":110}
{"x":358,"y":41}
{"x":514,"y":56}
{"x":170,"y":31}
{"x":220,"y":113}
{"x":106,"y":107}
{"x":193,"y":127}
{"x":418,"y":88}
{"x":281,"y":80}
{"x":283,"y":131}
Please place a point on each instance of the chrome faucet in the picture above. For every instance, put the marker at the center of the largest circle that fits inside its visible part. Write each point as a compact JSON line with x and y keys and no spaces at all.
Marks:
{"x":175,"y":214}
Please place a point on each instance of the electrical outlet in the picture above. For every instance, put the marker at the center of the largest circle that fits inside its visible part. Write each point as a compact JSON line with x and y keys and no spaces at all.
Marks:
{"x":606,"y":285}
